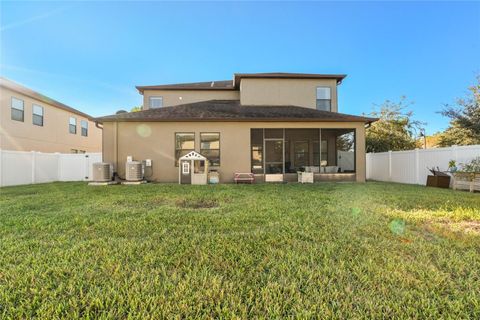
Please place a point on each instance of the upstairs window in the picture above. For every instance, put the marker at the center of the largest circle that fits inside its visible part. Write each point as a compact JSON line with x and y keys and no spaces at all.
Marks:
{"x":17,"y":109}
{"x":72,"y":125}
{"x":210,"y":147}
{"x":37,"y":115}
{"x":156,"y":102}
{"x":324,"y":101}
{"x":84,"y":125}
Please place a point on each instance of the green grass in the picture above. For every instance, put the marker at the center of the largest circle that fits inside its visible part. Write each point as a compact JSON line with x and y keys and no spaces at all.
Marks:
{"x":372,"y":250}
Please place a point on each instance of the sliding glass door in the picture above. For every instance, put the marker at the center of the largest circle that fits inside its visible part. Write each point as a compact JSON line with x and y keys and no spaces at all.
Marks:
{"x":273,"y":156}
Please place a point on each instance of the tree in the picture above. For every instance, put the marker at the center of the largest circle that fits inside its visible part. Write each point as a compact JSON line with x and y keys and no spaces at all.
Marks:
{"x":395,"y":130}
{"x":464,"y":126}
{"x":135,"y":109}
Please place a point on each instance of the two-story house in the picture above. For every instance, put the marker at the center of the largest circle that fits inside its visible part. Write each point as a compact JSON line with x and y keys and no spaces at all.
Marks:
{"x":30,"y":121}
{"x":262,"y":123}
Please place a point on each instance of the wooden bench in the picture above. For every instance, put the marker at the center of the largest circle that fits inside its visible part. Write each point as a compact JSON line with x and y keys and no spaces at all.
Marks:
{"x":243,"y":177}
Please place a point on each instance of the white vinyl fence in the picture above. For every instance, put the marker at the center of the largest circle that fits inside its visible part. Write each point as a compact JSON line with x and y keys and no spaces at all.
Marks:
{"x":411,"y":166}
{"x":23,"y":167}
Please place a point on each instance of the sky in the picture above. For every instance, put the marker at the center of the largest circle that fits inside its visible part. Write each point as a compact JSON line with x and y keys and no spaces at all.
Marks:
{"x":90,"y":55}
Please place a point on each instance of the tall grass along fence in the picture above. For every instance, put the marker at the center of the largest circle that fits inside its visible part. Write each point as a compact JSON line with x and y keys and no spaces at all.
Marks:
{"x":23,"y":167}
{"x":412,"y":166}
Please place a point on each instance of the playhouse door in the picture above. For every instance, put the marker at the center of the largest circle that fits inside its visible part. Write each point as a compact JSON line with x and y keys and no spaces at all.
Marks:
{"x":185,"y":172}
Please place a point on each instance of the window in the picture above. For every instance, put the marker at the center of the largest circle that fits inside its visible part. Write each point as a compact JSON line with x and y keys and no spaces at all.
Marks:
{"x":199,"y":166}
{"x":84,"y":125}
{"x":156,"y":102}
{"x":72,"y":126}
{"x":210,"y":147}
{"x":256,"y":142}
{"x":184,"y":143}
{"x":37,"y":115}
{"x":323,"y":99}
{"x":17,"y":109}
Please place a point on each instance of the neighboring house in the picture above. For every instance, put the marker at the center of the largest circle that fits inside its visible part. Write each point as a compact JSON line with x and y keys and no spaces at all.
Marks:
{"x":30,"y":121}
{"x":269,"y":124}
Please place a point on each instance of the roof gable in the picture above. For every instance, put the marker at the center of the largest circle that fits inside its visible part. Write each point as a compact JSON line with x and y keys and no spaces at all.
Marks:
{"x":193,"y":155}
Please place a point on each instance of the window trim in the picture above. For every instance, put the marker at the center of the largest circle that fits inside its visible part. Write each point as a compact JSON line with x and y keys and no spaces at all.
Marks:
{"x":69,"y":125}
{"x":13,"y":108}
{"x":150,"y":102}
{"x":82,"y":121}
{"x":219,"y":147}
{"x":317,"y":99}
{"x":38,"y":115}
{"x":175,"y":145}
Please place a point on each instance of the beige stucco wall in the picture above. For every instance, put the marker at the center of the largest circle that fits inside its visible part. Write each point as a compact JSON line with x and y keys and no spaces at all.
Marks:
{"x":297,"y":92}
{"x":176,"y":97}
{"x":53,"y":136}
{"x":155,"y":140}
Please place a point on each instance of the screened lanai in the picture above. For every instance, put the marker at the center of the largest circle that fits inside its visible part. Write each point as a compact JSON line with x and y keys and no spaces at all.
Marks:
{"x":288,"y":151}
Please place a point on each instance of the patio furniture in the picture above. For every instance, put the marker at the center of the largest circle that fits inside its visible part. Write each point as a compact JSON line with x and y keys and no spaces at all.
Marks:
{"x":276,"y":177}
{"x":331,"y":169}
{"x":305,"y":177}
{"x":313,"y":169}
{"x":244,"y":177}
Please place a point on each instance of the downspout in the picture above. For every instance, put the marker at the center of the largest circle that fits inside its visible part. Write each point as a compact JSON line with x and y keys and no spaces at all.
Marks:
{"x":116,"y":148}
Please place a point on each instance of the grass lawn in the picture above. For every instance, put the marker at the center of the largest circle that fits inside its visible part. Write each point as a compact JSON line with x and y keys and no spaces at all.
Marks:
{"x":372,"y":250}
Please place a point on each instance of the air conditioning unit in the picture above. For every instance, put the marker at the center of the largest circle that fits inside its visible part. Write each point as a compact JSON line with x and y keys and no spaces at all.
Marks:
{"x":102,"y":172}
{"x":134,"y":171}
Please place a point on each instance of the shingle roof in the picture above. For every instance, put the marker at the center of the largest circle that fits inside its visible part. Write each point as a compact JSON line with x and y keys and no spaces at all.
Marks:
{"x":232,"y":110}
{"x":234,"y":85}
{"x":38,"y":96}
{"x":208,"y":85}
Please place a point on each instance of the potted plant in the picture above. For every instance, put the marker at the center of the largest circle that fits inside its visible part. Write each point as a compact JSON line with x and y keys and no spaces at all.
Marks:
{"x":452,"y":166}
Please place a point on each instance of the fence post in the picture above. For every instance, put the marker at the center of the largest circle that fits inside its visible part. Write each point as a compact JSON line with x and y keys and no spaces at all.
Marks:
{"x":87,"y":167}
{"x":1,"y":171}
{"x":59,"y":163}
{"x":33,"y":166}
{"x":455,"y":153}
{"x":417,"y":166}
{"x":389,"y":165}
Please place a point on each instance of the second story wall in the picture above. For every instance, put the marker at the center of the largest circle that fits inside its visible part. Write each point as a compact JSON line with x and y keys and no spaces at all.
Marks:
{"x":176,"y":97}
{"x":297,"y":92}
{"x":53,"y":136}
